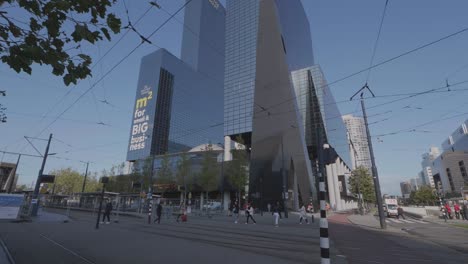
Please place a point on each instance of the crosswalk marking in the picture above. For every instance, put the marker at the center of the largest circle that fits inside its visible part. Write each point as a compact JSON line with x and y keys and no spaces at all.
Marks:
{"x":419,"y":221}
{"x":401,"y":221}
{"x":407,"y":221}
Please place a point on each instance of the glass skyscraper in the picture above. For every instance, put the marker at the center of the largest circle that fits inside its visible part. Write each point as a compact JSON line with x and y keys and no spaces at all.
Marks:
{"x":178,"y":101}
{"x":274,"y":97}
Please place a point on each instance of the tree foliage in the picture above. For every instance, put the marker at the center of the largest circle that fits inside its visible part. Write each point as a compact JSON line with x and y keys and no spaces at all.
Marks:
{"x":237,"y":168}
{"x":50,"y":32}
{"x":208,"y":178}
{"x":361,"y":182}
{"x":69,"y":181}
{"x":164,"y":175}
{"x":183,"y":175}
{"x":423,"y":196}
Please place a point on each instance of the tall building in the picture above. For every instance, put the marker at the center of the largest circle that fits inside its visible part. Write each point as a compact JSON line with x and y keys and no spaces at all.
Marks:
{"x":427,"y":164}
{"x":405,"y":189}
{"x":450,"y":169}
{"x":458,"y":140}
{"x":178,"y":100}
{"x":360,"y":155}
{"x":269,"y":59}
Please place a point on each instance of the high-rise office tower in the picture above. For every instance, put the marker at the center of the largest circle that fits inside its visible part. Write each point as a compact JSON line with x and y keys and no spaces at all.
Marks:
{"x":360,"y":155}
{"x":179,"y":100}
{"x":427,"y":165}
{"x":268,"y":63}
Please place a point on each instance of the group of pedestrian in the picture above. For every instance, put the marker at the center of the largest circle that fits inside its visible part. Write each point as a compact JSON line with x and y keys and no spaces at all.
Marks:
{"x":460,"y":212}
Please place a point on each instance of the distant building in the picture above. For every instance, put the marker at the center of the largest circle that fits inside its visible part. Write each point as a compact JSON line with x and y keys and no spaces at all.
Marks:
{"x":8,"y":176}
{"x":360,"y":154}
{"x":458,"y":140}
{"x":416,"y":184}
{"x":405,"y":189}
{"x":427,"y":164}
{"x":450,"y":169}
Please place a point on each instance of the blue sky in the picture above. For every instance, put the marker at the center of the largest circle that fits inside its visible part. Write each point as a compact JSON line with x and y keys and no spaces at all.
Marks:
{"x":343,"y":35}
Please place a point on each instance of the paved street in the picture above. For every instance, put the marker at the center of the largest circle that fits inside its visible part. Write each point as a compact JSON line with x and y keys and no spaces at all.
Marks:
{"x":438,"y":232}
{"x":201,"y":240}
{"x":370,"y":245}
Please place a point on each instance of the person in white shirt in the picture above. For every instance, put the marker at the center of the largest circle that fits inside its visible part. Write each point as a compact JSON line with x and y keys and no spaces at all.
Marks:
{"x":303,"y":215}
{"x":250,"y":212}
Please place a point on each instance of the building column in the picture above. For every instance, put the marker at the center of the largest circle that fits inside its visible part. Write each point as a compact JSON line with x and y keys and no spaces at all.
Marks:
{"x":331,"y":187}
{"x":227,"y":148}
{"x":342,"y":172}
{"x":336,"y":187}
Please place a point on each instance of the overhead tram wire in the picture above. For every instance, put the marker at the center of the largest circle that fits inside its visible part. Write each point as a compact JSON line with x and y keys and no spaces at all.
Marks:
{"x":378,"y":64}
{"x":93,"y":66}
{"x":115,"y":66}
{"x":377,"y":41}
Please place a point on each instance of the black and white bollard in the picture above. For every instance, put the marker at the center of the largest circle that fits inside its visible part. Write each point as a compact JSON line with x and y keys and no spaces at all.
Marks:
{"x":324,"y":241}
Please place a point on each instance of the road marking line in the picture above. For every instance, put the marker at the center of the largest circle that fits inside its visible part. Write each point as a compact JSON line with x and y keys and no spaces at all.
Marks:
{"x":407,"y":221}
{"x":419,"y":221}
{"x":395,"y":220}
{"x":68,"y":250}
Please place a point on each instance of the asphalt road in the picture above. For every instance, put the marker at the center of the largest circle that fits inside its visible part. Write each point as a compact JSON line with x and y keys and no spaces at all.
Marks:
{"x":200,"y":240}
{"x":365,"y":245}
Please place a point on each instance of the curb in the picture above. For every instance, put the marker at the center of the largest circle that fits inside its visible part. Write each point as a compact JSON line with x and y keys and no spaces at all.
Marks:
{"x":7,"y":252}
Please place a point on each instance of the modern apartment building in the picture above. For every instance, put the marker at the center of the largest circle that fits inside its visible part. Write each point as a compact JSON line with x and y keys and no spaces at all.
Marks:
{"x":360,"y":155}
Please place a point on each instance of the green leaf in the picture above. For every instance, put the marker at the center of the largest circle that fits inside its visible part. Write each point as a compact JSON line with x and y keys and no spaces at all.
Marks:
{"x":106,"y":33}
{"x":114,"y":23}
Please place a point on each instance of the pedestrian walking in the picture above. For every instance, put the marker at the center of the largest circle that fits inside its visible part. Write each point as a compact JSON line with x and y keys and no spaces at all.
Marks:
{"x":107,"y":212}
{"x":456,"y":208}
{"x":181,"y":212}
{"x":400,"y":212}
{"x":269,"y":207}
{"x":230,"y":209}
{"x":465,"y":210}
{"x":448,"y":210}
{"x":276,"y":214}
{"x":158,"y":213}
{"x":278,"y":207}
{"x":235,"y":210}
{"x":303,"y":215}
{"x":249,"y":212}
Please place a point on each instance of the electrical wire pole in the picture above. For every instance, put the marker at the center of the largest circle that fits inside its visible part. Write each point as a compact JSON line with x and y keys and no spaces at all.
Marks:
{"x":85,"y":176}
{"x":35,"y":206}
{"x":375,"y":174}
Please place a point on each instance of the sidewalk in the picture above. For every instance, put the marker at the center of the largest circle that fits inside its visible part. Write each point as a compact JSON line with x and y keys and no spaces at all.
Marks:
{"x":367,"y":220}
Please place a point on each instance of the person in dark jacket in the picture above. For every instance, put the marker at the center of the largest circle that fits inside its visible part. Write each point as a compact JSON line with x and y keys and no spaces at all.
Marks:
{"x":158,"y":213}
{"x":400,"y":212}
{"x":465,"y":210}
{"x":107,"y":212}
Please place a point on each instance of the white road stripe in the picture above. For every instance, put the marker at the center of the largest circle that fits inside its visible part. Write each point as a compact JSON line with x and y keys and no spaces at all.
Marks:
{"x":419,"y":221}
{"x":395,"y":220}
{"x":407,"y":221}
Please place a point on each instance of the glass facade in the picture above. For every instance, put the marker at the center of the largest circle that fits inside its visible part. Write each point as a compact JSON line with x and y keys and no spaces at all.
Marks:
{"x":240,"y":65}
{"x":241,"y":55}
{"x":317,"y":106}
{"x":179,"y":101}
